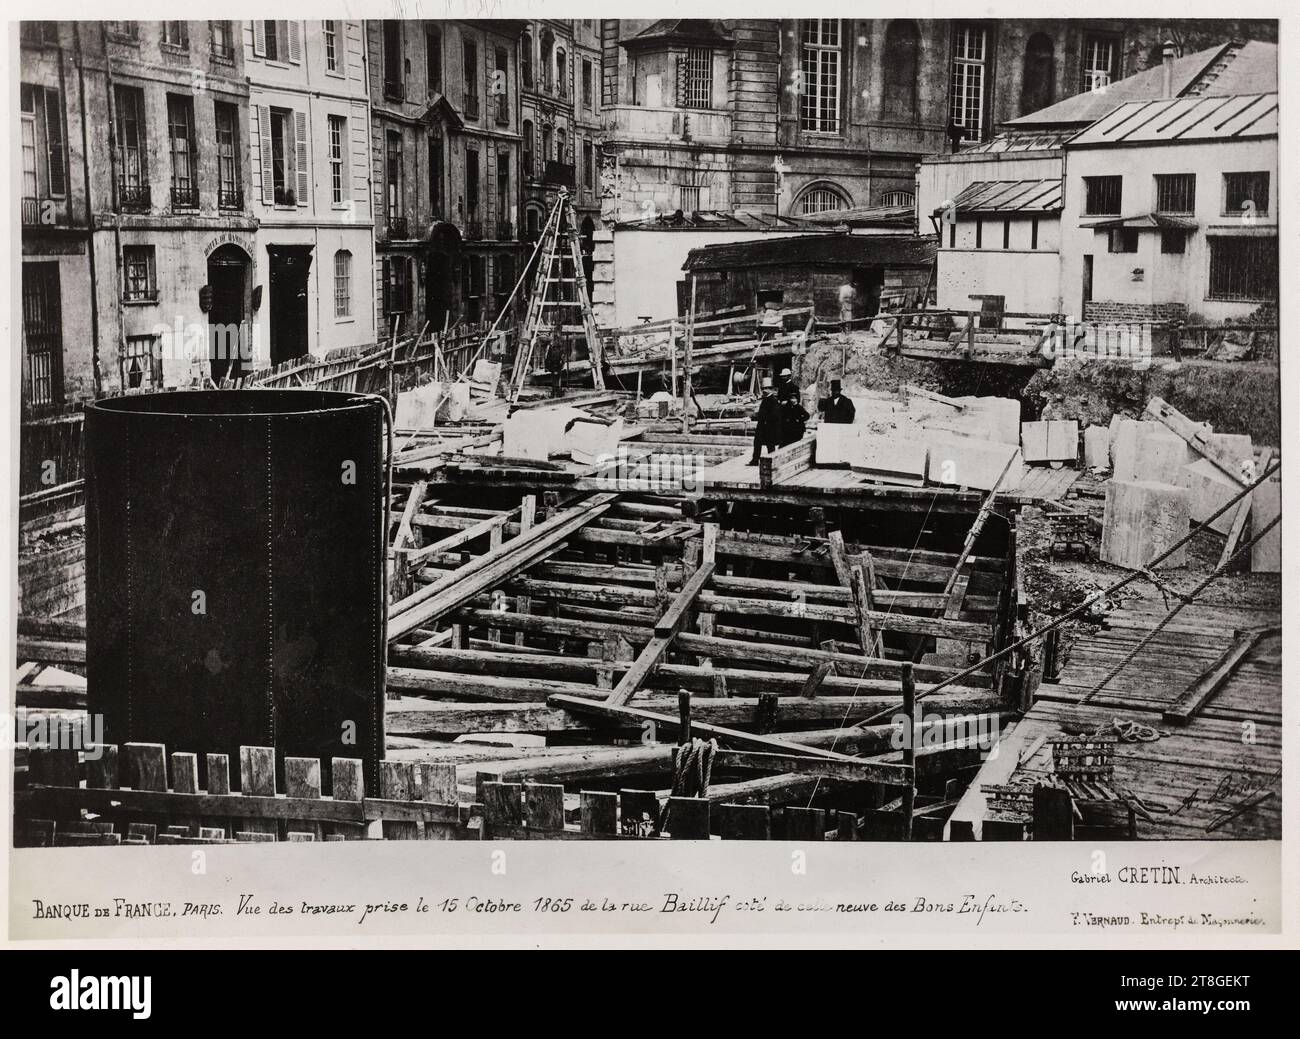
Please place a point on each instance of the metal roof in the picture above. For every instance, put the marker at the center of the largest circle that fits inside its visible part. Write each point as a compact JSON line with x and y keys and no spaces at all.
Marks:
{"x":1145,"y":222}
{"x":1019,"y":141}
{"x":1009,"y":196}
{"x":1225,"y":69}
{"x":1184,"y":119}
{"x":816,"y":250}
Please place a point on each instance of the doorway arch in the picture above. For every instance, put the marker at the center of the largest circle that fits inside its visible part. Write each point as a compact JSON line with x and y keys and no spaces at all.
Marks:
{"x":230,"y":339}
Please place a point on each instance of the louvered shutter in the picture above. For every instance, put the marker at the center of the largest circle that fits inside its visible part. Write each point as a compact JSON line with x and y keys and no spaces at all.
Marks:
{"x":300,"y":163}
{"x":682,"y":79}
{"x":264,"y":132}
{"x":54,"y":143}
{"x":385,"y":289}
{"x":259,"y":38}
{"x":294,"y":32}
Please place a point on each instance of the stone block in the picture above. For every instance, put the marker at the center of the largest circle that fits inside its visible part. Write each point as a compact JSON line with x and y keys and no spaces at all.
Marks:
{"x":1143,"y":518}
{"x":964,"y":462}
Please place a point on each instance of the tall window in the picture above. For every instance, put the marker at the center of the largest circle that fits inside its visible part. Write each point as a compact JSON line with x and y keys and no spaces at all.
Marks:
{"x":548,"y":50}
{"x":471,"y":183}
{"x":330,"y":36}
{"x":588,"y":91}
{"x":1103,"y":196}
{"x":528,"y":169}
{"x":343,"y":283}
{"x":42,"y":334}
{"x":132,"y":177}
{"x":588,"y":165}
{"x":1175,"y":192}
{"x":1100,"y":62}
{"x":281,"y":156}
{"x":969,"y":62}
{"x":820,"y":200}
{"x":500,"y":86}
{"x":470,"y":65}
{"x":139,"y":274}
{"x":503,"y":194}
{"x":545,"y":155}
{"x":223,"y":40}
{"x":560,"y":150}
{"x":697,"y":70}
{"x":271,"y":47}
{"x":433,"y":62}
{"x":397,"y":284}
{"x":902,"y":42}
{"x":819,"y":102}
{"x":227,"y":123}
{"x":526,"y":51}
{"x":393,"y":174}
{"x":44,"y":159}
{"x":141,"y":363}
{"x":394,"y":75}
{"x":1037,"y":84}
{"x":176,"y":34}
{"x":561,"y":72}
{"x":437,"y":161}
{"x":180,"y":133}
{"x":338,"y":134}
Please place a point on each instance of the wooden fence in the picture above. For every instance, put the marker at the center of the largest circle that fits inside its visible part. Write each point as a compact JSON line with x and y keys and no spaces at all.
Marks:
{"x":126,"y":799}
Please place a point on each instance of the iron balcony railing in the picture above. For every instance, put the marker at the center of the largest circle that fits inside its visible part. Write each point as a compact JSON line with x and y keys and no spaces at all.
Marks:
{"x":134,"y":198}
{"x":185,"y":197}
{"x":230,"y":198}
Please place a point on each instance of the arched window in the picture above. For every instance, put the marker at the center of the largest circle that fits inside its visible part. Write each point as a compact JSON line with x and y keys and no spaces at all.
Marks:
{"x":902,"y":42}
{"x":545,"y":157}
{"x":561,"y":72}
{"x":528,"y":148}
{"x":527,"y":53}
{"x":559,"y":145}
{"x":342,"y":283}
{"x":898,"y":198}
{"x":548,"y":46}
{"x":1037,"y":85}
{"x":820,"y":199}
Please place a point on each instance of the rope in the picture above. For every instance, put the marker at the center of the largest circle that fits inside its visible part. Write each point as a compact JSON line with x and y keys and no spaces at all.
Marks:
{"x":1168,"y":617}
{"x":692,"y":774}
{"x":1129,"y":731}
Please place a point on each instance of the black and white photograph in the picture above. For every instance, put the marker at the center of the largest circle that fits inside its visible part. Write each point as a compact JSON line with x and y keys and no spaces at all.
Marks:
{"x":691,"y":440}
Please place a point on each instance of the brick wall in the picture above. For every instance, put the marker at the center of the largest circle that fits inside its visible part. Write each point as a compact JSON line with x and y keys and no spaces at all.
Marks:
{"x":1106,"y":310}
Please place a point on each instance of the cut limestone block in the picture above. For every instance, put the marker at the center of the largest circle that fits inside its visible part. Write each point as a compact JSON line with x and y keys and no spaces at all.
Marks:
{"x":537,"y":433}
{"x":836,"y":443}
{"x":1096,"y":447}
{"x":455,"y":402}
{"x":1123,"y":446}
{"x":1265,"y":504}
{"x":963,"y":462}
{"x":593,"y":442}
{"x":992,"y":419}
{"x":1238,"y":446}
{"x":899,"y":459}
{"x":1054,"y":441}
{"x":418,"y":408}
{"x":1160,"y":455}
{"x":1209,"y":490}
{"x":1143,"y":518}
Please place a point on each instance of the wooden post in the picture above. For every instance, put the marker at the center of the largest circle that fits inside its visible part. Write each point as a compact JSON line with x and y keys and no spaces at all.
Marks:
{"x":683,"y":718}
{"x":687,"y":361}
{"x":909,"y":745}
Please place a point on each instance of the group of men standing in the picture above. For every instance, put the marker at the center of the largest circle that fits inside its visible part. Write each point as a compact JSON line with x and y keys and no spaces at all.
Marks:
{"x":782,"y":418}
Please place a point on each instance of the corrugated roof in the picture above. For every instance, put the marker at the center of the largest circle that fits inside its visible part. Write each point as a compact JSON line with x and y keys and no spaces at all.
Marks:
{"x":1184,"y":119}
{"x":866,"y":216}
{"x":818,"y":250}
{"x":1019,"y":142}
{"x":1228,"y":68}
{"x":1009,"y":196}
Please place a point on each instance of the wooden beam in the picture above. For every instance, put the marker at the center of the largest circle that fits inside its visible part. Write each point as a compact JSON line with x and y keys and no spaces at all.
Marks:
{"x":1197,"y":436}
{"x":856,"y":771}
{"x":1242,"y":513}
{"x":1213,"y":679}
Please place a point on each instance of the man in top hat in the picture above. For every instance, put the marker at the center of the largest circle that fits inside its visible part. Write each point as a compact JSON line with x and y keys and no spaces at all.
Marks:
{"x":836,"y":408}
{"x":768,"y":434}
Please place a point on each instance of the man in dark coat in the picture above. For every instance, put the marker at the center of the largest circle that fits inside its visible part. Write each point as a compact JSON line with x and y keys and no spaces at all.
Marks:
{"x":793,"y":417}
{"x":836,"y":408}
{"x":768,"y":434}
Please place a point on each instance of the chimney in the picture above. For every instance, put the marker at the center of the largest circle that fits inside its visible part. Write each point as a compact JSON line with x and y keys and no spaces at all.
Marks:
{"x":1167,"y":65}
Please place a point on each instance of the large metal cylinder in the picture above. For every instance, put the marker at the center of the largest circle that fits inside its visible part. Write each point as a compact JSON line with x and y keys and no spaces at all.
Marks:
{"x":234,"y":573}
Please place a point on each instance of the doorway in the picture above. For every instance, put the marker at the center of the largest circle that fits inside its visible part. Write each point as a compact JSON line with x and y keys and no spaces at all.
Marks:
{"x":1087,"y":283}
{"x":290,"y":265}
{"x":230,"y":341}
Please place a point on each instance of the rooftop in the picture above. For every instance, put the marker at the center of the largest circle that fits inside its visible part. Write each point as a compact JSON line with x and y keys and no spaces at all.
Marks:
{"x":816,"y":250}
{"x":1185,"y":119}
{"x":1009,"y":196}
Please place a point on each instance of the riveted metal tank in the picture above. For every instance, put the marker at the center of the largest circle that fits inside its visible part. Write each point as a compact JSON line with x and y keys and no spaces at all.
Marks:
{"x":234,"y":573}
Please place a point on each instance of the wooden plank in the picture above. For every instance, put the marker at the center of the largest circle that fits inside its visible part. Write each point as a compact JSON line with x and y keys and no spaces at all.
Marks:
{"x":544,"y":807}
{"x":671,"y":621}
{"x":744,"y":822}
{"x":502,"y":805}
{"x":101,"y":766}
{"x":599,"y":812}
{"x":1213,"y":679}
{"x":145,"y":766}
{"x":348,"y":786}
{"x":858,"y":771}
{"x":805,"y":824}
{"x":257,"y":779}
{"x":1198,"y":437}
{"x":688,"y":818}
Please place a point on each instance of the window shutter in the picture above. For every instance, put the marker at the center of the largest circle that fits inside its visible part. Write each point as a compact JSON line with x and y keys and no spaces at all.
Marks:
{"x":54,"y":142}
{"x":264,"y":132}
{"x":300,"y":165}
{"x":681,"y":81}
{"x":294,"y":32}
{"x":385,"y":288}
{"x":259,"y":38}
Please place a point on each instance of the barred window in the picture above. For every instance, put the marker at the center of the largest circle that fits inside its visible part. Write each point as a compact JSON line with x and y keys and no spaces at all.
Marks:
{"x":1243,"y":268}
{"x":343,"y":283}
{"x":1103,"y":196}
{"x":819,"y":100}
{"x":820,"y":200}
{"x":1245,"y":192}
{"x":1175,"y":192}
{"x":690,"y":196}
{"x":699,"y":78}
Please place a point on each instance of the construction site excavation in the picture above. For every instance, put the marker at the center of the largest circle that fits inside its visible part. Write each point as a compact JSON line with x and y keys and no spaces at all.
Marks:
{"x":864,"y":541}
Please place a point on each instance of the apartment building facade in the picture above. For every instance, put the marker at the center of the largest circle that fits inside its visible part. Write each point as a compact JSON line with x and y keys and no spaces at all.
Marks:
{"x":445,"y":148}
{"x":308,"y":139}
